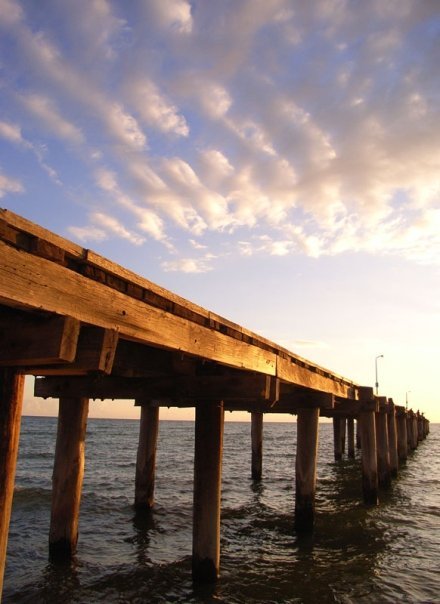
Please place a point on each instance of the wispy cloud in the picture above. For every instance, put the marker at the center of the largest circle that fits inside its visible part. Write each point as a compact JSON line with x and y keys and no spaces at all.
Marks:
{"x":9,"y":185}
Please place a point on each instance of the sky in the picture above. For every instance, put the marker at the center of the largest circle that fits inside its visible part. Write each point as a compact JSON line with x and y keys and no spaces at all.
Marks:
{"x":275,"y":161}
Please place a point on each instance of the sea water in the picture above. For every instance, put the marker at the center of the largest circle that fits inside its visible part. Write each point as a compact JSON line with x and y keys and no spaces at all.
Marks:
{"x":357,"y":554}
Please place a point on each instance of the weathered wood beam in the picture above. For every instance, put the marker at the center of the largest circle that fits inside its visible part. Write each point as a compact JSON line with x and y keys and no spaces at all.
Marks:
{"x":95,"y":353}
{"x":350,"y":437}
{"x":27,"y":339}
{"x":290,"y":371}
{"x":177,"y":389}
{"x":35,"y":282}
{"x":11,"y":399}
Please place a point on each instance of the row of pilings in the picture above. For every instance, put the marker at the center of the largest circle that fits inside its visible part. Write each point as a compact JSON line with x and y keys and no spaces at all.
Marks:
{"x":386,"y":433}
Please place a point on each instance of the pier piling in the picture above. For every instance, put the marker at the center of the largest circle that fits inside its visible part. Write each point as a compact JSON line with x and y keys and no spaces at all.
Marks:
{"x":367,"y":425}
{"x":257,"y":445}
{"x":146,"y":457}
{"x":383,"y":452}
{"x":11,"y":393}
{"x":207,"y":491}
{"x":350,"y":437}
{"x":306,"y":458}
{"x":68,"y":475}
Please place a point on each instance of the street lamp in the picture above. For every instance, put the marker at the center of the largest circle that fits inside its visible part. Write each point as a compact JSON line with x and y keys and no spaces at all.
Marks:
{"x":406,"y":398}
{"x":380,"y":356}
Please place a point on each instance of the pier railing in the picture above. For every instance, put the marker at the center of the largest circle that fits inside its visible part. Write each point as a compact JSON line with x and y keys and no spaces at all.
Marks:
{"x":88,"y":328}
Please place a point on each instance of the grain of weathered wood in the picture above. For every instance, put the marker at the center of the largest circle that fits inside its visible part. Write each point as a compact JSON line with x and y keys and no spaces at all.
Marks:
{"x":11,"y":398}
{"x":392,"y":439}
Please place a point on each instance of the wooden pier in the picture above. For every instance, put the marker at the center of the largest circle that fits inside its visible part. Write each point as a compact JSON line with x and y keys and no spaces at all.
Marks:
{"x":88,"y":328}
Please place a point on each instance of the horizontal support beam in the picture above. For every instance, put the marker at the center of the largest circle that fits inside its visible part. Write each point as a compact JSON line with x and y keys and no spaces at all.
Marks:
{"x":27,"y":340}
{"x":172,"y":389}
{"x":35,"y":282}
{"x":289,"y":371}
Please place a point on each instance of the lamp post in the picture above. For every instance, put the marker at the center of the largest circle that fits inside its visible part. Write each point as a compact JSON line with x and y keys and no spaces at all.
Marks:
{"x":380,"y":356}
{"x":406,"y":399}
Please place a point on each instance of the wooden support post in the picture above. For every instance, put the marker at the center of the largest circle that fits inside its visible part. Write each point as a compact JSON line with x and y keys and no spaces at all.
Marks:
{"x":337,"y":438}
{"x":207,"y":491}
{"x":257,"y":445}
{"x":402,"y":435}
{"x":146,"y":457}
{"x":358,"y":434}
{"x":343,"y":423}
{"x":392,"y":439}
{"x":306,"y":458}
{"x":11,"y":399}
{"x":367,"y":424}
{"x":419,"y":426}
{"x":350,"y":437}
{"x":67,"y":476}
{"x":412,"y":430}
{"x":383,"y":452}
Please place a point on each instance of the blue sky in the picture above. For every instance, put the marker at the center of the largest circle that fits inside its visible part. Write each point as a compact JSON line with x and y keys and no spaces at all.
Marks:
{"x":275,"y":161}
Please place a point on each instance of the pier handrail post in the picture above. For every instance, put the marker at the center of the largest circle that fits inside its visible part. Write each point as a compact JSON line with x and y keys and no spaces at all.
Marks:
{"x":367,"y":425}
{"x":11,"y":400}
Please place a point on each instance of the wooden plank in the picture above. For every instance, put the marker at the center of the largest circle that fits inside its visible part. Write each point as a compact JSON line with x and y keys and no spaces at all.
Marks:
{"x":37,"y":283}
{"x":296,"y":374}
{"x":30,"y":340}
{"x":26,"y":226}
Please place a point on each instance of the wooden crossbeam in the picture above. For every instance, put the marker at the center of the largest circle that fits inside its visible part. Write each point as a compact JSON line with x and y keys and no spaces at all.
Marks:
{"x":173,"y":389}
{"x":95,"y":353}
{"x":27,"y":340}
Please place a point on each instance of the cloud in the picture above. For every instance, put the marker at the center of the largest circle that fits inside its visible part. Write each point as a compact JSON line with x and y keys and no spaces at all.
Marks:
{"x":188,"y":265}
{"x":155,"y":109}
{"x":11,"y":132}
{"x":90,"y":233}
{"x":172,"y":14}
{"x":9,"y":185}
{"x":45,"y":109}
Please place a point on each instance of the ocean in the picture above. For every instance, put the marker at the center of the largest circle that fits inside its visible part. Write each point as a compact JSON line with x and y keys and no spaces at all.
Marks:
{"x":357,"y":554}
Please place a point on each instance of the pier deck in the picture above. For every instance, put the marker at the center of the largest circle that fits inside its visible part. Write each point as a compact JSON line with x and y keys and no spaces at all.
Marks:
{"x":88,"y":328}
